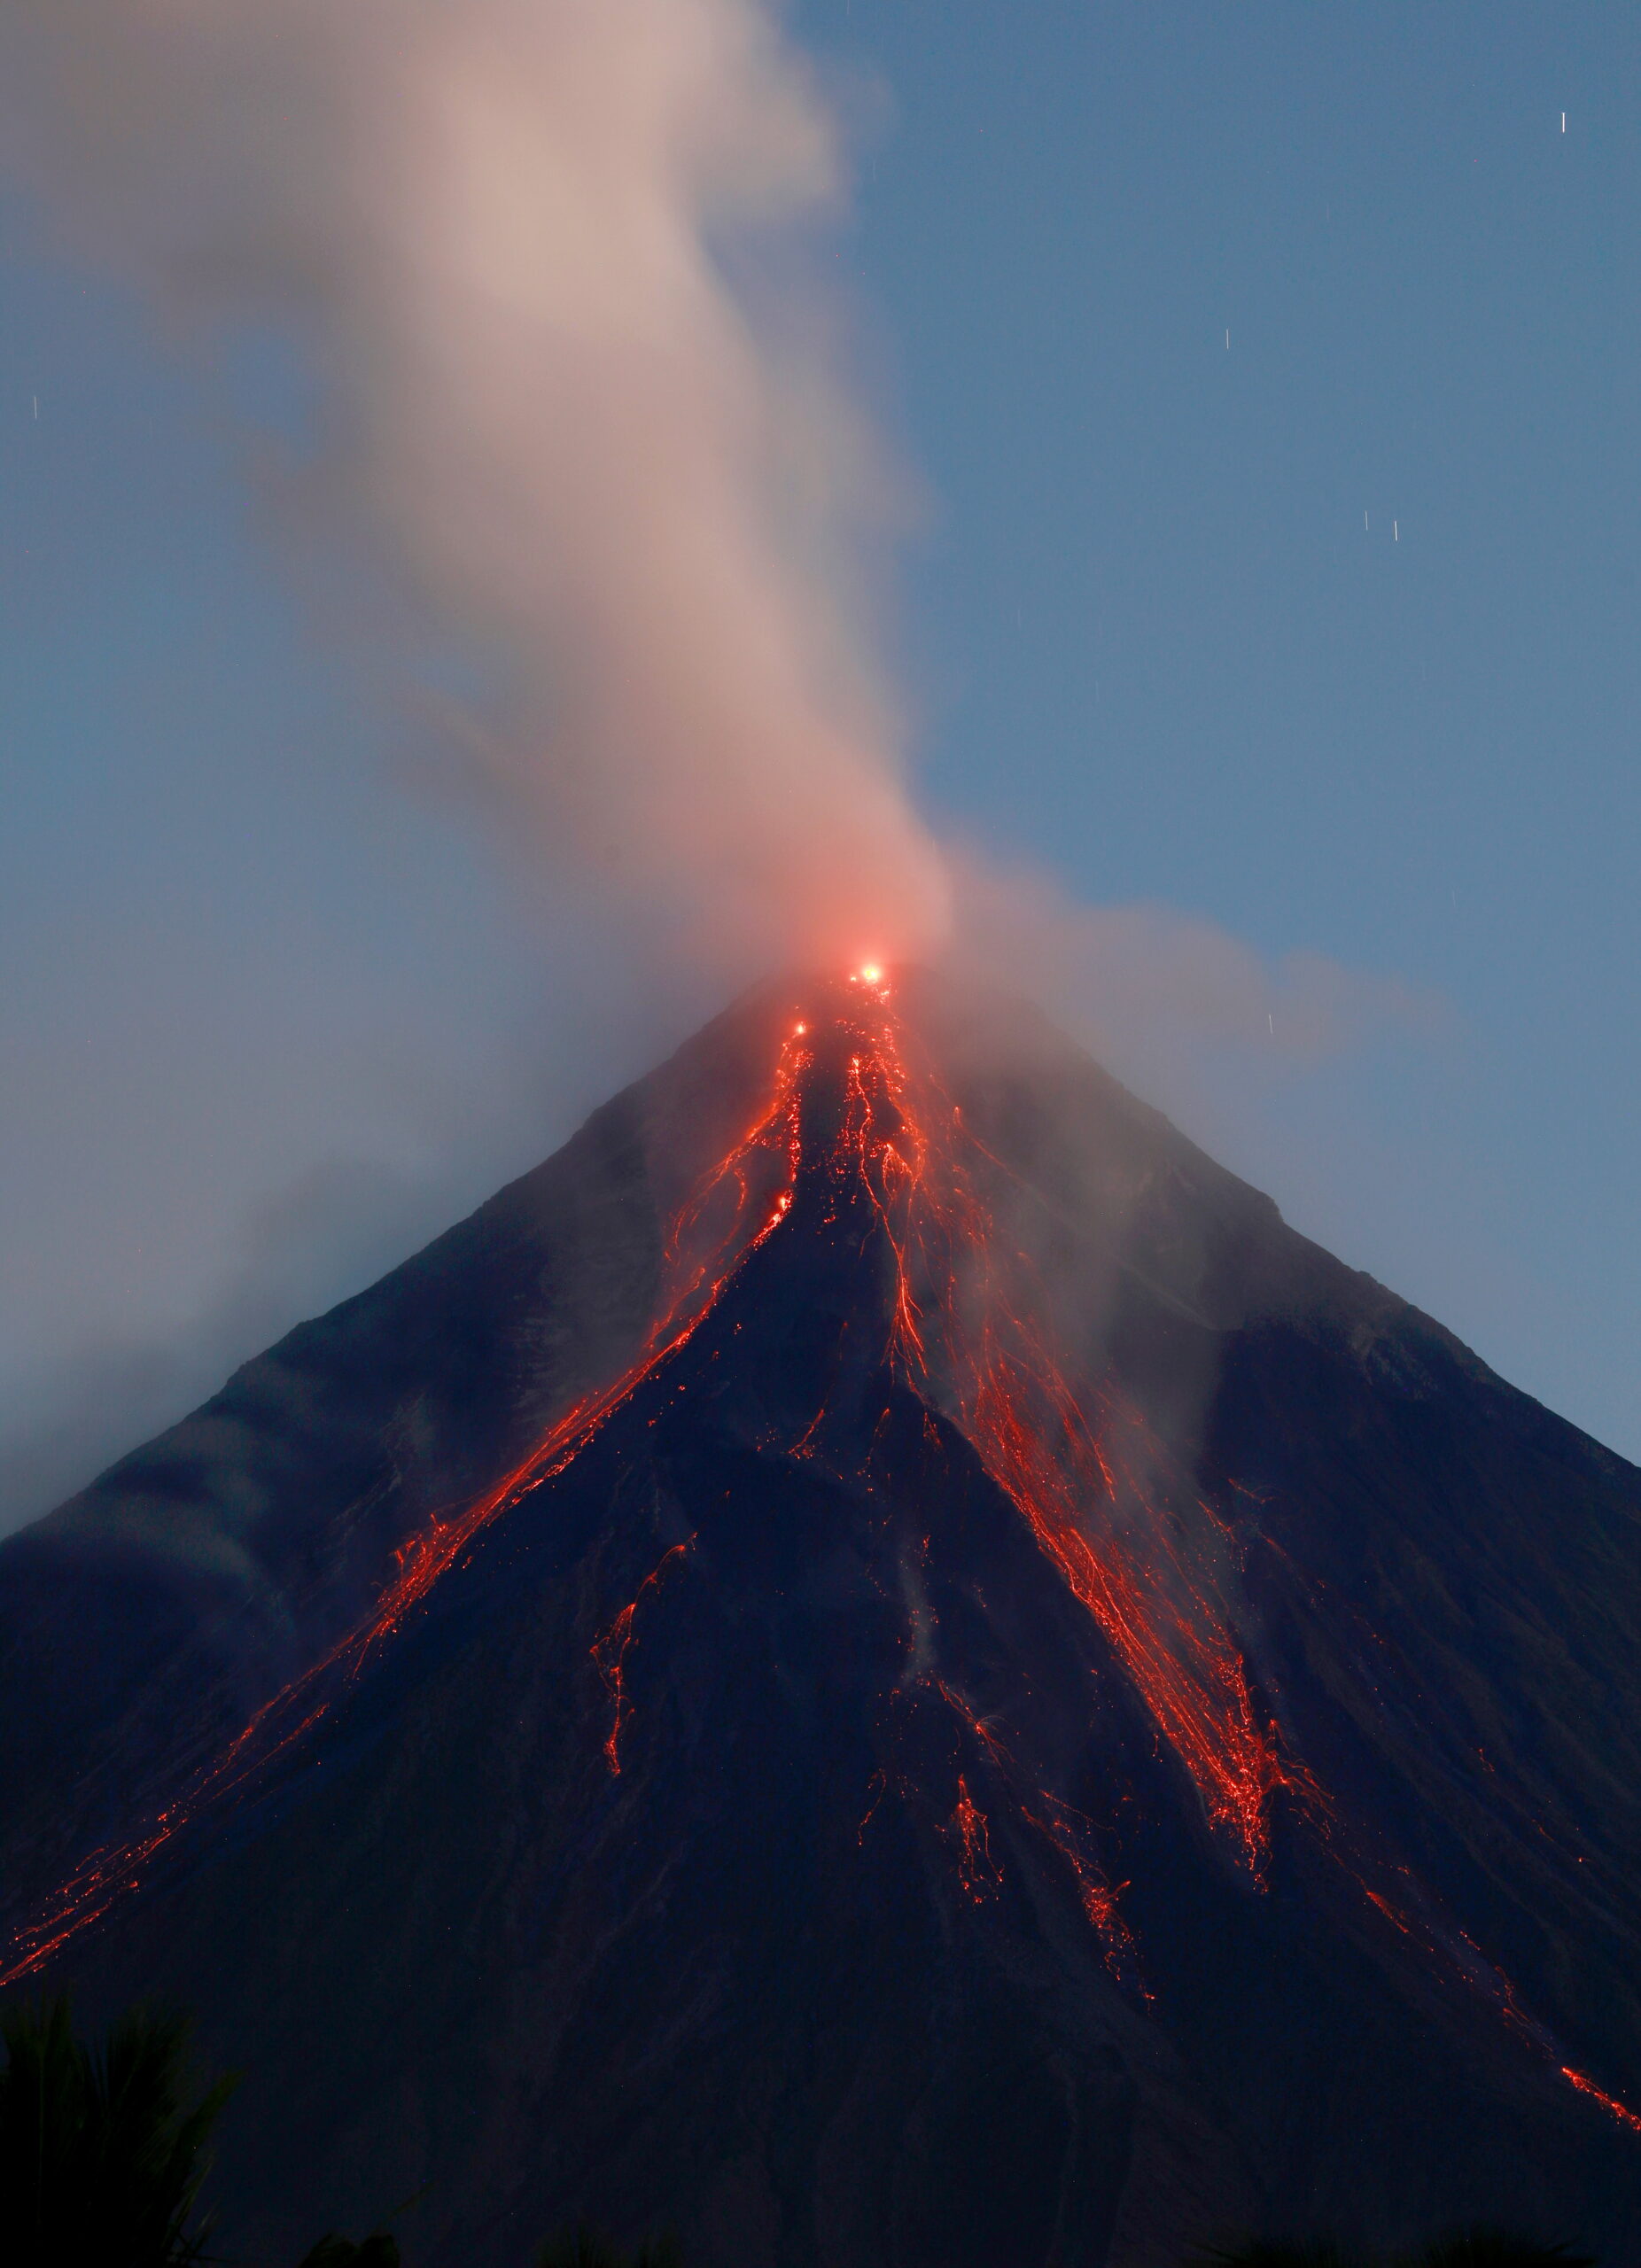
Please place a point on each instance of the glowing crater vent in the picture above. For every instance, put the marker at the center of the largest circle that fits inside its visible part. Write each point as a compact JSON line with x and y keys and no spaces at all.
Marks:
{"x":966,"y":1327}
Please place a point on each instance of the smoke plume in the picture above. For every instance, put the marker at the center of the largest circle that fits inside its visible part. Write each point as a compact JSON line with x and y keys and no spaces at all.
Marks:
{"x":553,"y":262}
{"x":582,"y":410}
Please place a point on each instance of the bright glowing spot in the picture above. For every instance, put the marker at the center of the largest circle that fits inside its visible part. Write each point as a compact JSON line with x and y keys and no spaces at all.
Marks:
{"x":869,"y":974}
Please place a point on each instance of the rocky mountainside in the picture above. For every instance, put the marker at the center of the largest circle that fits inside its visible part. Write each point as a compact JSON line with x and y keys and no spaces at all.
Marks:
{"x":878,"y":1663}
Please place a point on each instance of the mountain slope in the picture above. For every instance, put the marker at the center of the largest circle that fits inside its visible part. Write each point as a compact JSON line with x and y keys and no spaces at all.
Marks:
{"x":879,"y":1661}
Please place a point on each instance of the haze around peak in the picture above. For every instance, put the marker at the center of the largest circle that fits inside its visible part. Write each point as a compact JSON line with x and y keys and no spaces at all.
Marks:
{"x":518,"y":326}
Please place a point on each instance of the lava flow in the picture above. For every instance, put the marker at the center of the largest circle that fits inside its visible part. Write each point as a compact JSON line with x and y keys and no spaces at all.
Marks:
{"x":609,"y":1654}
{"x":977,"y":1870}
{"x":1610,"y":2103}
{"x":736,"y":1206}
{"x":967,"y":1332}
{"x":876,"y":1156}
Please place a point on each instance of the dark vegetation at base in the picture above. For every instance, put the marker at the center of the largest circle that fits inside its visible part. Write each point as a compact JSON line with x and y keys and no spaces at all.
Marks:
{"x":379,"y":2251}
{"x":586,"y":2247}
{"x":103,"y":2156}
{"x":1477,"y":2248}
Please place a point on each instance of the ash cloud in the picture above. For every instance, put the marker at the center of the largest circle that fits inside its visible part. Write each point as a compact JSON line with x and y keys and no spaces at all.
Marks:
{"x":580,"y":395}
{"x":66,"y":1419}
{"x":1155,"y":993}
{"x":582,"y":402}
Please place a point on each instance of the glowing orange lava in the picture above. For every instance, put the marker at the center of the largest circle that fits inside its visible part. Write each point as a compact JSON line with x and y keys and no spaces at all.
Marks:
{"x":967,"y":1331}
{"x":1071,"y":1834}
{"x":1069,"y":1831}
{"x":1621,"y":2111}
{"x":609,"y":1653}
{"x":729,"y":1216}
{"x":977,"y":1870}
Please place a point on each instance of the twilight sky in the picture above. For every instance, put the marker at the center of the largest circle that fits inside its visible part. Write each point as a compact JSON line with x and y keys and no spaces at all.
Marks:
{"x":278,"y":1002}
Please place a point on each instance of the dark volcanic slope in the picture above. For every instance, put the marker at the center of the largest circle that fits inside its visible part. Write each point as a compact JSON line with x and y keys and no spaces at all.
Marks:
{"x":913,"y":1925}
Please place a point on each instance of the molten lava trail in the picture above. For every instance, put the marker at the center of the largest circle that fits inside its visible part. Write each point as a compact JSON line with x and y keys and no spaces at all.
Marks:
{"x":977,"y":1870}
{"x":609,"y":1654}
{"x":1068,"y":1830}
{"x":967,"y":1330}
{"x":737,"y":1205}
{"x":1610,"y":2103}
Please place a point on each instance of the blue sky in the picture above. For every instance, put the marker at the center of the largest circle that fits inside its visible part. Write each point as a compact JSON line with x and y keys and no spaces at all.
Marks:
{"x":274,"y":1010}
{"x":1161,"y":650}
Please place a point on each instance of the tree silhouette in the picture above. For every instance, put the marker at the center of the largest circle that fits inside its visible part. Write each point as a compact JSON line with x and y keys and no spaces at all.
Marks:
{"x":378,"y":2251}
{"x":99,"y":2159}
{"x":1491,"y":2247}
{"x":1472,"y":2247}
{"x":582,"y":2247}
{"x":1268,"y":2252}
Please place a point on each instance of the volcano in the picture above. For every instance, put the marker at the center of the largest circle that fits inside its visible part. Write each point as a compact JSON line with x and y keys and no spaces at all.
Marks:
{"x":876,"y":1663}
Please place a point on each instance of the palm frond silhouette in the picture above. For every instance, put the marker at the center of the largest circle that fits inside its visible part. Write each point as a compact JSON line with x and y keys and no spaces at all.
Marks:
{"x":582,"y":2247}
{"x":101,"y":2157}
{"x":1275,"y":2252}
{"x":379,"y":2251}
{"x":1495,"y":2248}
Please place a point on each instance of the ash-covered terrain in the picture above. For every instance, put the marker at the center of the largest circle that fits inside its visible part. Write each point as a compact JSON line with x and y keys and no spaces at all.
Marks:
{"x":876,"y":1662}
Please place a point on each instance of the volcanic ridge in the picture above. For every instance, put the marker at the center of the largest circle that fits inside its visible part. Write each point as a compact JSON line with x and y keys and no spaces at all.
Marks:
{"x":876,"y":1662}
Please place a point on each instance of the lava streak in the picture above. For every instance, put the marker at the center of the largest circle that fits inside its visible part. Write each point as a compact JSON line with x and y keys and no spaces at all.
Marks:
{"x":609,"y":1653}
{"x":977,"y":1870}
{"x":1621,"y":2111}
{"x":965,"y":1330}
{"x":1069,"y":1832}
{"x":737,"y":1205}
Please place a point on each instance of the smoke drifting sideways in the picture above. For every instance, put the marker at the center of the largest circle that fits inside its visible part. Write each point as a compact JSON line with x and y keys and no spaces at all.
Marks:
{"x":583,"y":404}
{"x":580,"y":395}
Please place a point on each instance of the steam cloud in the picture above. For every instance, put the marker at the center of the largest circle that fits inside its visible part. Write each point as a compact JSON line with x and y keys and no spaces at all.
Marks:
{"x":552,"y":264}
{"x":578,"y":391}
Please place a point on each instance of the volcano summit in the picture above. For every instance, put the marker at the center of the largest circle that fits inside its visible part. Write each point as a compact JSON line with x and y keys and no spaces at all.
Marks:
{"x":878,"y":1662}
